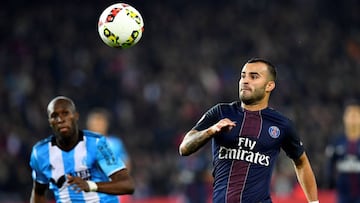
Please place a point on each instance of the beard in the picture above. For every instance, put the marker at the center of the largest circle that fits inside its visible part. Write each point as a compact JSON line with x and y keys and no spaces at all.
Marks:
{"x":252,"y":98}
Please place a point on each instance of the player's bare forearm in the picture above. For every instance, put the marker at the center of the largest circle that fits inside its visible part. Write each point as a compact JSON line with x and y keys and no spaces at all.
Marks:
{"x":194,"y":139}
{"x":121,"y":183}
{"x":120,"y":187}
{"x":306,"y":177}
{"x":38,"y":193}
{"x":37,"y":199}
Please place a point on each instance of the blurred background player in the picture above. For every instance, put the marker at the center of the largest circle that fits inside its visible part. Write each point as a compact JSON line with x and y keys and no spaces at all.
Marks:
{"x":58,"y":164}
{"x":98,"y":120}
{"x":343,"y":166}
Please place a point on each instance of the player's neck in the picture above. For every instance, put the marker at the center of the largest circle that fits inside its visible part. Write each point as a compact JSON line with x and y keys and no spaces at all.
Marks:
{"x":352,"y":133}
{"x":255,"y":106}
{"x":67,"y":144}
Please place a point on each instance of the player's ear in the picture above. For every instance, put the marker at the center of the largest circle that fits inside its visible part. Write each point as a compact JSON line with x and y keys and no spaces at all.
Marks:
{"x":270,"y":86}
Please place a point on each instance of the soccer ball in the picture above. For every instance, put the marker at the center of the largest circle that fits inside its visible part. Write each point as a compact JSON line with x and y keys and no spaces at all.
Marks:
{"x":120,"y":26}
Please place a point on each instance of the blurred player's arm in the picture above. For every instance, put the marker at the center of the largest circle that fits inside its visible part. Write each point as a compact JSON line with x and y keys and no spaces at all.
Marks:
{"x":38,"y":193}
{"x":120,"y":183}
{"x":306,"y":177}
{"x":125,"y":154}
{"x":194,"y":139}
{"x":128,"y":165}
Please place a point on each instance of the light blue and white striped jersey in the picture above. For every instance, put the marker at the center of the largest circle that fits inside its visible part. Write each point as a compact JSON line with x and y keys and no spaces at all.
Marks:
{"x":90,"y":159}
{"x":117,"y":146}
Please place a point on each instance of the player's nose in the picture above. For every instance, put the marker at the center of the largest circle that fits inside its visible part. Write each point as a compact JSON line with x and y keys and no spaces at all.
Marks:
{"x":59,"y":119}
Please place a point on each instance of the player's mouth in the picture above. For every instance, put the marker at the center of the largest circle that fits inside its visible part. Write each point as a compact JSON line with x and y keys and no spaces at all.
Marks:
{"x":245,"y":89}
{"x":63,"y":129}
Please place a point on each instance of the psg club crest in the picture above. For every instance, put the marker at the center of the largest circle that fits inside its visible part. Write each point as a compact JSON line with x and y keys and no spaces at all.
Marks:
{"x":274,"y":132}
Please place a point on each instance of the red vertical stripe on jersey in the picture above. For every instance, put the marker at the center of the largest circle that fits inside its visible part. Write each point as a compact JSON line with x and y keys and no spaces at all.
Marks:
{"x":237,"y":179}
{"x":251,"y":128}
{"x":252,"y":124}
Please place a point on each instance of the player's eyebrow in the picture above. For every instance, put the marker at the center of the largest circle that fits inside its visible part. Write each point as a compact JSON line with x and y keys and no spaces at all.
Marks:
{"x":251,"y":73}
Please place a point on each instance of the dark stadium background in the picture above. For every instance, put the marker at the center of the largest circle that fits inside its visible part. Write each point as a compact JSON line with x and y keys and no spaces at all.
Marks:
{"x":188,"y":59}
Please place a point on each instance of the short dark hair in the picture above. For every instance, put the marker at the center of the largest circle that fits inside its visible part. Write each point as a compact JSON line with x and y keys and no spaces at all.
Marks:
{"x":64,"y":98}
{"x":268,"y":64}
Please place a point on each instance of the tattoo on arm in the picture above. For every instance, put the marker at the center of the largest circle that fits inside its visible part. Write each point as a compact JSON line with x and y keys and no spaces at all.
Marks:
{"x":193,"y":141}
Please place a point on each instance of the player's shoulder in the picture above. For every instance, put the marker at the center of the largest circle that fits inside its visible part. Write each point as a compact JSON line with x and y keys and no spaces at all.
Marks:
{"x":93,"y":137}
{"x":114,"y":138}
{"x":338,"y":139}
{"x":235,"y":105}
{"x":336,"y":144}
{"x":276,"y":116}
{"x":43,"y":142}
{"x":274,"y":112}
{"x":224,"y":108}
{"x":91,"y":134}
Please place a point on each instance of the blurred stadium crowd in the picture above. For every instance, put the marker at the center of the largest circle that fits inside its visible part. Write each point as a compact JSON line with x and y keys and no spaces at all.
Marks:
{"x":188,"y":59}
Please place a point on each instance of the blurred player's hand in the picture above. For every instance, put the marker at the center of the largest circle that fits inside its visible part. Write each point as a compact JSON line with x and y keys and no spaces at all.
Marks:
{"x":77,"y":183}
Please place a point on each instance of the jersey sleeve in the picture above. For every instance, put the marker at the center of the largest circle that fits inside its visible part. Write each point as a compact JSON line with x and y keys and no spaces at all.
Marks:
{"x":209,"y":118}
{"x":292,"y":144}
{"x":37,"y":173}
{"x":106,"y":158}
{"x":123,"y":153}
{"x":118,"y":147}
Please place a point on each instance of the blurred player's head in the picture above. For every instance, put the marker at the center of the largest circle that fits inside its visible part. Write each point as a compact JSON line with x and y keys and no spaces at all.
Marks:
{"x":351,"y":118}
{"x":256,"y":82}
{"x":62,"y":116}
{"x":98,"y":121}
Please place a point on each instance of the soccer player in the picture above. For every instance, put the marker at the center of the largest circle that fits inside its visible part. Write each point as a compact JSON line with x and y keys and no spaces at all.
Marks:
{"x":247,"y":137}
{"x":98,"y":120}
{"x":343,"y":163}
{"x":77,"y":165}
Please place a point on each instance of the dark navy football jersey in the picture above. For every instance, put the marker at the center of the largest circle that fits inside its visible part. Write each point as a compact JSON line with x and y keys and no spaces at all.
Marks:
{"x":244,"y":157}
{"x":343,"y":168}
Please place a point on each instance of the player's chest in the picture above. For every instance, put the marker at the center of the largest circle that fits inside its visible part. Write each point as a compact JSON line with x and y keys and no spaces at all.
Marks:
{"x":252,"y":135}
{"x":76,"y":161}
{"x":347,"y":157}
{"x":345,"y":149}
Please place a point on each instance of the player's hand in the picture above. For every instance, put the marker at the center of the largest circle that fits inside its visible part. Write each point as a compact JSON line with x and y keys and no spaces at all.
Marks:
{"x":224,"y":124}
{"x":77,"y":183}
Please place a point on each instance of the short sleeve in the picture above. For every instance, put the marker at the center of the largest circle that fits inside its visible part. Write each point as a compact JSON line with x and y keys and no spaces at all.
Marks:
{"x":118,"y":147}
{"x":122,"y":151}
{"x":106,"y":158}
{"x":37,"y":173}
{"x":209,"y":118}
{"x":292,"y":144}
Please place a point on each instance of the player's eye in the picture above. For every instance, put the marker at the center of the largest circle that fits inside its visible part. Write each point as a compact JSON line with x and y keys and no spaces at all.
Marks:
{"x":53,"y":115}
{"x":65,"y":113}
{"x":254,"y":76}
